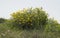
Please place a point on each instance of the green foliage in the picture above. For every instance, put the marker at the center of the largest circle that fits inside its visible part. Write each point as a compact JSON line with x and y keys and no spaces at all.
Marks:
{"x":2,"y":20}
{"x":29,"y":18}
{"x":52,"y":25}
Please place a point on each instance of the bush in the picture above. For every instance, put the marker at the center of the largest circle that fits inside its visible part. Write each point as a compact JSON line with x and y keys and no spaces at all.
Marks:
{"x":2,"y":20}
{"x":52,"y":26}
{"x":29,"y":18}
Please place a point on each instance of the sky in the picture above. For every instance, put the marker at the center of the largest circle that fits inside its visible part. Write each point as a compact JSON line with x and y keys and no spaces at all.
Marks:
{"x":52,"y":7}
